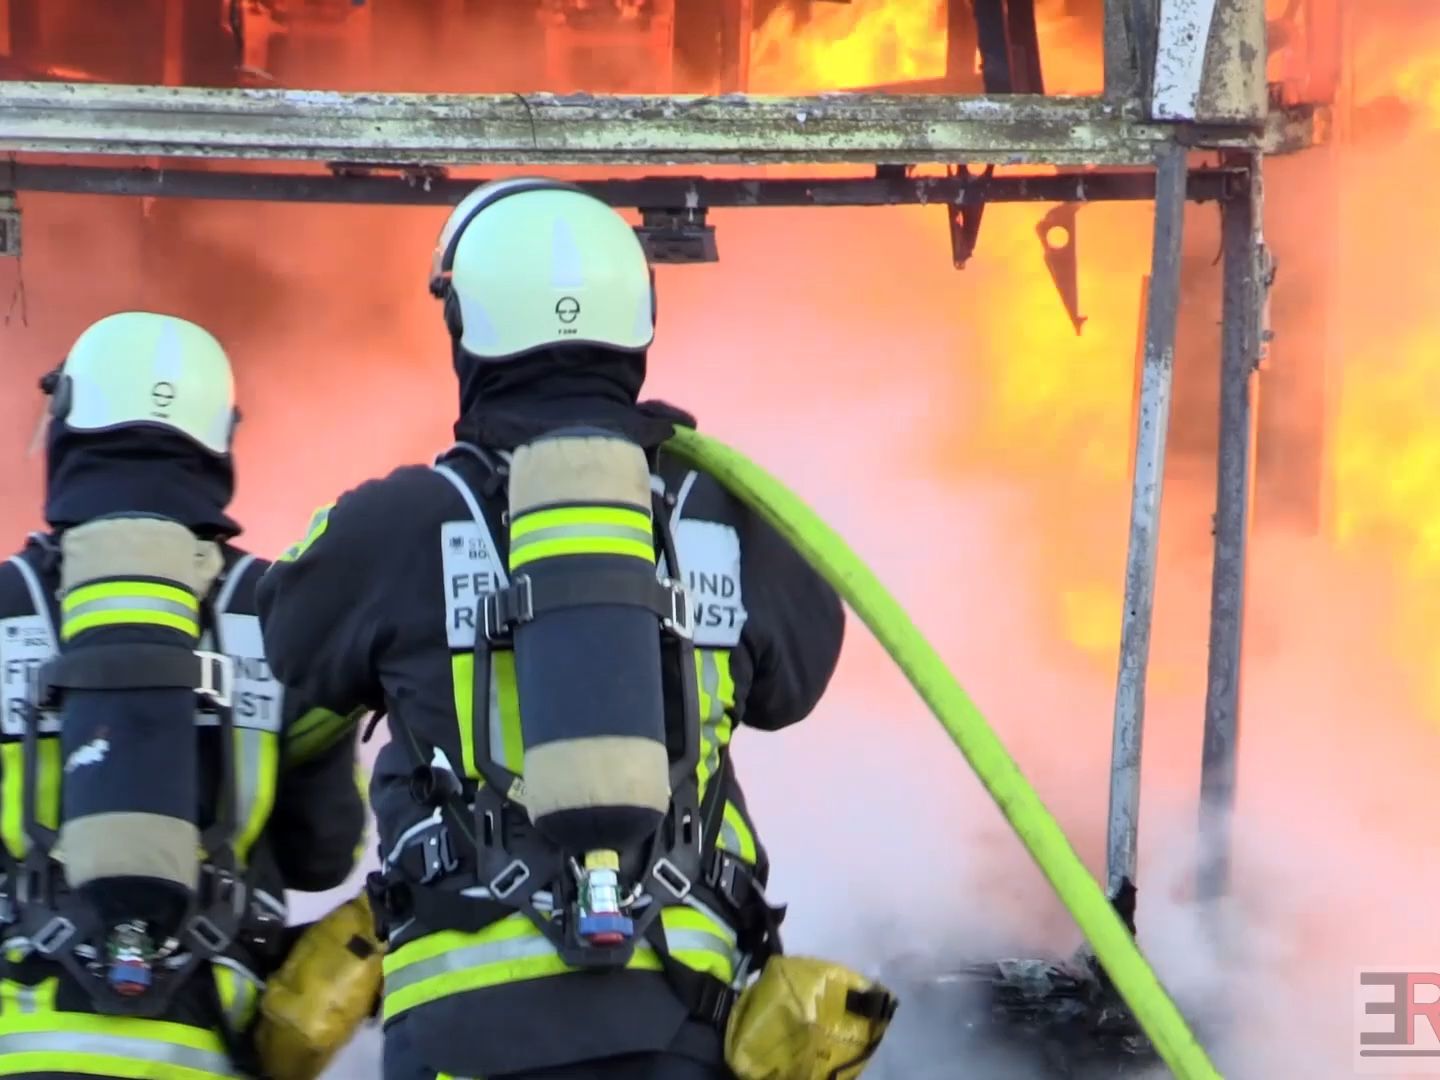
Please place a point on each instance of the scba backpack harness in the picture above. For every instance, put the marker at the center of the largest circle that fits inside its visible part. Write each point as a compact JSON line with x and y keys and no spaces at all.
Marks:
{"x":584,"y":911}
{"x":122,"y":970}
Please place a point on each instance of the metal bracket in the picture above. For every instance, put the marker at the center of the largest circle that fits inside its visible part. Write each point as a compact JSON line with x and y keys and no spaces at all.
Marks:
{"x":9,"y":225}
{"x":678,"y":236}
{"x":415,"y":176}
{"x":1056,"y":231}
{"x":965,"y":216}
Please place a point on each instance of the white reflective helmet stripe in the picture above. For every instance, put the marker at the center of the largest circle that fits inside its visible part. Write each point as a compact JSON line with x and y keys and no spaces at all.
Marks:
{"x":459,"y":217}
{"x":139,"y":368}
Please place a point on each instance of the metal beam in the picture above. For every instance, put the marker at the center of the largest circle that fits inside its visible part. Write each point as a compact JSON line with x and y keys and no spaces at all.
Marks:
{"x":660,"y":192}
{"x":1246,"y":288}
{"x":543,"y":129}
{"x":1156,"y":383}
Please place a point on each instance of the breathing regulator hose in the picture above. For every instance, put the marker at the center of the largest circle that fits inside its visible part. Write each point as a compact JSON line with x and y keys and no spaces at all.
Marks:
{"x":1081,"y":894}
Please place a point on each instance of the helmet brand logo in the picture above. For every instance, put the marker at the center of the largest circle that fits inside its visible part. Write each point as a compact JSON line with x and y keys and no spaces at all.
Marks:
{"x":162,"y":396}
{"x":567,"y":309}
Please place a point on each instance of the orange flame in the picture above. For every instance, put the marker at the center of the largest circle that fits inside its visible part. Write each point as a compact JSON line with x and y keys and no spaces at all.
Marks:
{"x":863,"y":43}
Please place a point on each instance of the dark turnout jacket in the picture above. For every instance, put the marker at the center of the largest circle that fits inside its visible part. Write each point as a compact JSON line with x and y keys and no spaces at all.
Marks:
{"x":374,"y":607}
{"x":301,"y":809}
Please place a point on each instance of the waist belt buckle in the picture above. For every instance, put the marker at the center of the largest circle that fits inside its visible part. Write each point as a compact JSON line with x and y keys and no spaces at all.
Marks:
{"x":670,"y":875}
{"x":217,"y":676}
{"x":53,"y":936}
{"x":210,"y":937}
{"x":507,"y":607}
{"x":722,"y":876}
{"x":437,"y":853}
{"x":226,"y":889}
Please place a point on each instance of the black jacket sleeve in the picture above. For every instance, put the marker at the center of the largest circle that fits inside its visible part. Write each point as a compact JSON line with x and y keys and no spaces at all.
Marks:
{"x":794,"y":632}
{"x":320,"y":609}
{"x":317,"y":824}
{"x":317,"y":829}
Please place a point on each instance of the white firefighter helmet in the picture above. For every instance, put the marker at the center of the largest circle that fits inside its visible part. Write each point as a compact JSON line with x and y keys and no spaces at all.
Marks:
{"x":527,"y":263}
{"x":137,"y":368}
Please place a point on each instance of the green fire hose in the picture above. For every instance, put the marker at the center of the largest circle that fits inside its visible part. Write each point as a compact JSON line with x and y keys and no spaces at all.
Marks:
{"x":1038,"y":831}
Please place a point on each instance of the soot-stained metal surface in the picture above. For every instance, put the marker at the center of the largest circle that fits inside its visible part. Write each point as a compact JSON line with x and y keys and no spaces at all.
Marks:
{"x":516,"y":129}
{"x":424,"y":187}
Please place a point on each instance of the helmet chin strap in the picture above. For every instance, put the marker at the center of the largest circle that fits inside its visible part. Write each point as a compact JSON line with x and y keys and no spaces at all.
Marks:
{"x":38,"y":440}
{"x":49,"y":382}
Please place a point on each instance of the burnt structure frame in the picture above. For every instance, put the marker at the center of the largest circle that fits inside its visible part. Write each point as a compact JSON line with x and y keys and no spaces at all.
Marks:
{"x":385,"y":148}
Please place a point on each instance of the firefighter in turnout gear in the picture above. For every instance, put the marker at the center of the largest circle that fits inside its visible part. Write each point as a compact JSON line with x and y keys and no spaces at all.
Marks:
{"x":564,"y":628}
{"x":159,"y":791}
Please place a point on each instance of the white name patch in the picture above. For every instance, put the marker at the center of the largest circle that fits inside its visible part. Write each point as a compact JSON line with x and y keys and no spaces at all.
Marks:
{"x":472,"y":571}
{"x":258,"y":699}
{"x":709,"y":555}
{"x":25,"y":646}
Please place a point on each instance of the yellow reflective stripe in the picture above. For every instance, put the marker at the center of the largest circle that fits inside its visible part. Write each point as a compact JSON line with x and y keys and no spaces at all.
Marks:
{"x":736,"y":835}
{"x":581,"y":530}
{"x":257,"y":767}
{"x":509,"y":746}
{"x":80,"y":1063}
{"x":130,"y":616}
{"x":125,"y":603}
{"x":18,"y":998}
{"x":12,"y":791}
{"x":319,"y":522}
{"x":315,"y":732}
{"x":462,"y":679}
{"x":580,"y":545}
{"x":239,"y":997}
{"x":513,"y":950}
{"x":89,"y":1045}
{"x":716,"y":699}
{"x":121,"y":1027}
{"x":127,"y":590}
{"x":563,"y":517}
{"x":507,"y":742}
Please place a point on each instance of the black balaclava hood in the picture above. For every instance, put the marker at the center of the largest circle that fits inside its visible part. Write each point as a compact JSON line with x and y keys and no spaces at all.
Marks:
{"x":506,"y":404}
{"x":144,"y":470}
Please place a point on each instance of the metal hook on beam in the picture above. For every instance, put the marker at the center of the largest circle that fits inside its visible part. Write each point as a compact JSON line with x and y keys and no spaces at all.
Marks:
{"x":966,"y":213}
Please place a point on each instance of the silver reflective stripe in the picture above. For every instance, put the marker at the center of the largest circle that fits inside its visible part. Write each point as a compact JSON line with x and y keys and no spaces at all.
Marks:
{"x":76,"y":1042}
{"x":700,"y":941}
{"x":37,"y":594}
{"x":563,"y":532}
{"x":500,"y":952}
{"x":721,"y":926}
{"x":464,"y":489}
{"x":24,"y":998}
{"x":497,"y":734}
{"x":232,"y":582}
{"x":662,"y":567}
{"x":476,"y":513}
{"x":685,"y":487}
{"x":132,"y":603}
{"x":265,"y":900}
{"x":729,"y":838}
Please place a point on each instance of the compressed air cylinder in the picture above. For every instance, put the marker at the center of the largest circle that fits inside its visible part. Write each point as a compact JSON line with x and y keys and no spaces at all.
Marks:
{"x":592,"y":707}
{"x":129,"y":837}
